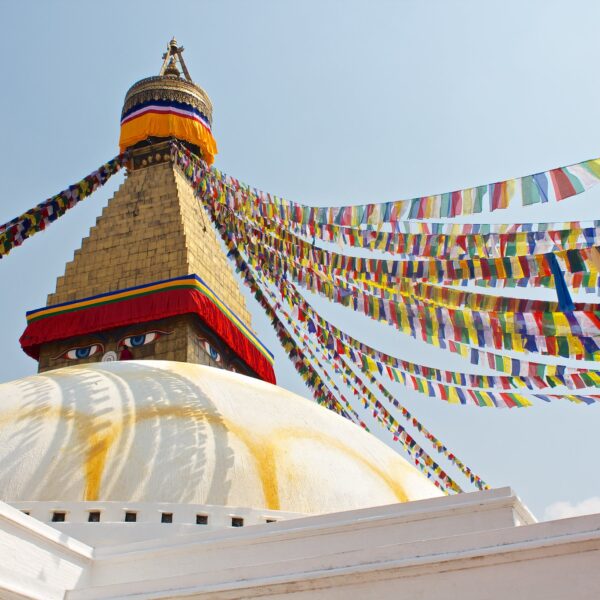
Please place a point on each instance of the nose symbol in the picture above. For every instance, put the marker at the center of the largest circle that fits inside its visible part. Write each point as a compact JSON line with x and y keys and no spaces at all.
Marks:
{"x":109,"y":356}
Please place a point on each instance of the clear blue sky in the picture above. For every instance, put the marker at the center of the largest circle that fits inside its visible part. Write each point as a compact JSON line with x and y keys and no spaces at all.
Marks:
{"x":324,"y":102}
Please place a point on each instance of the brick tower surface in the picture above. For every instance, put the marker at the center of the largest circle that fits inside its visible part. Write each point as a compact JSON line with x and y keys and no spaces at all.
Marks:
{"x":153,"y":229}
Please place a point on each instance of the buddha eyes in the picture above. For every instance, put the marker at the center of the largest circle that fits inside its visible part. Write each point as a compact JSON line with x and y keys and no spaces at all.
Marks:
{"x":135,"y":341}
{"x":212,"y":351}
{"x":131,"y":341}
{"x":82,"y":352}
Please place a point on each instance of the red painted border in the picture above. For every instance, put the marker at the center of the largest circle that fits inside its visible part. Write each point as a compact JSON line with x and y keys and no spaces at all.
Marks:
{"x":151,"y":307}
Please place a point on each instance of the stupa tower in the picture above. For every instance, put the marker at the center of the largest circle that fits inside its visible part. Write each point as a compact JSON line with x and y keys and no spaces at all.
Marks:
{"x":151,"y":280}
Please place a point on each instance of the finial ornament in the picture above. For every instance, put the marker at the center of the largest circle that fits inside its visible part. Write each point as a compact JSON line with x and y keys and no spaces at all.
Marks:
{"x":173,"y":54}
{"x":169,"y":105}
{"x":172,"y":68}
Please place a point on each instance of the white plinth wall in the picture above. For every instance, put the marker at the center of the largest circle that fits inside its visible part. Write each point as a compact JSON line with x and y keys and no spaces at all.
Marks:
{"x":480,"y":546}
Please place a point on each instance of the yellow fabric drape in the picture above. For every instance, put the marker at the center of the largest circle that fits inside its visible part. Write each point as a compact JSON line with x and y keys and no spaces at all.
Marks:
{"x":167,"y":126}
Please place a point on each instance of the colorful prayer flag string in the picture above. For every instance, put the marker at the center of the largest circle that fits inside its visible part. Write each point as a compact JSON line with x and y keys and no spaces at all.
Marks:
{"x":15,"y":232}
{"x":556,"y":184}
{"x":554,"y":334}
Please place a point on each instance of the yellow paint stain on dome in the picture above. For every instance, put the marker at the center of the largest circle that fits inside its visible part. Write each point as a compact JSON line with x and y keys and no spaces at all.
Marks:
{"x":289,"y":433}
{"x":94,"y":433}
{"x":98,"y":446}
{"x":260,"y":449}
{"x":97,"y":434}
{"x":263,"y":452}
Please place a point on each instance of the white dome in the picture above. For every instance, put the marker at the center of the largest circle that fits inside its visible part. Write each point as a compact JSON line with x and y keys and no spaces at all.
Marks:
{"x":158,"y":431}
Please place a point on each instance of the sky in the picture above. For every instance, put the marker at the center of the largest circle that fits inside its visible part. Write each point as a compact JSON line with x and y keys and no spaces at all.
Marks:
{"x":327,"y":103}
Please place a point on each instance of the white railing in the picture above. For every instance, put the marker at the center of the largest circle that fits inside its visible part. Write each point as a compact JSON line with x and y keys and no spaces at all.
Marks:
{"x":210,"y":516}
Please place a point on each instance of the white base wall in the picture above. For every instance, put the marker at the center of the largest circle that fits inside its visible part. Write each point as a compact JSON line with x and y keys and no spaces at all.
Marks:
{"x":480,"y":546}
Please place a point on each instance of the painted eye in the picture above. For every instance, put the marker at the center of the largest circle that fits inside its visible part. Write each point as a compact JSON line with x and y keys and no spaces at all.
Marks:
{"x":82,"y":352}
{"x":135,"y":341}
{"x":212,"y":351}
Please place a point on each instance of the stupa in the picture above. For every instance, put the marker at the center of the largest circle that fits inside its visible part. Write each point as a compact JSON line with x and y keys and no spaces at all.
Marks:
{"x":148,"y":339}
{"x":153,"y":456}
